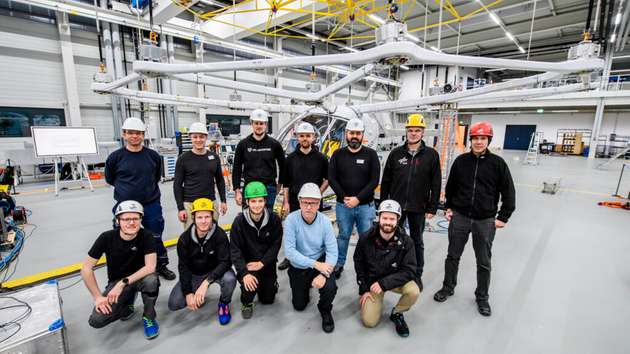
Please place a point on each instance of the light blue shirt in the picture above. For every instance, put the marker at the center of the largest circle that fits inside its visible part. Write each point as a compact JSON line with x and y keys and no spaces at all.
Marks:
{"x":304,"y":244}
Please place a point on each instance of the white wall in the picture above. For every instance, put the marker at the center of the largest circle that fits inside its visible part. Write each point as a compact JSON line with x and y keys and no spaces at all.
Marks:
{"x":549,"y":123}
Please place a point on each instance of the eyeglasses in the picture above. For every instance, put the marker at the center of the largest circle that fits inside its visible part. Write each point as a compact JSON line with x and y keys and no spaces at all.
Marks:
{"x":309,"y":204}
{"x":130,"y":220}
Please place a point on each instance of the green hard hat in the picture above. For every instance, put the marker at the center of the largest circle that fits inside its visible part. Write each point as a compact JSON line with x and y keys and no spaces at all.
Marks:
{"x":255,"y":189}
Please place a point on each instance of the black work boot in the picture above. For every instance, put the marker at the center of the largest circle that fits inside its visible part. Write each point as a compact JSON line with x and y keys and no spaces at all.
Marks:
{"x":399,"y":321}
{"x":484,"y":308}
{"x":442,"y":295}
{"x":337,"y":272}
{"x":328,"y":323}
{"x":283,"y":265}
{"x":166,"y":273}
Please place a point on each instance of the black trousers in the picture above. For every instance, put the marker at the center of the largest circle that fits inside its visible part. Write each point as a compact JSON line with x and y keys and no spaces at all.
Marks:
{"x":148,"y":288}
{"x":300,"y":281}
{"x":483,"y":232}
{"x":267,"y":286}
{"x":416,"y":229}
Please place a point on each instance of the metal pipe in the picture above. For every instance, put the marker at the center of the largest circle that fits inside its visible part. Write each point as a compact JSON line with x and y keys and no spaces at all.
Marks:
{"x":589,"y":16}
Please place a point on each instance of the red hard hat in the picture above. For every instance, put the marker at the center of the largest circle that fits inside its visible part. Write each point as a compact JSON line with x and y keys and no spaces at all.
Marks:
{"x":481,"y":129}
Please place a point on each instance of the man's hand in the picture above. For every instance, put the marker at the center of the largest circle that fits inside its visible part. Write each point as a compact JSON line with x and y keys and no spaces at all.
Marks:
{"x":112,"y":296}
{"x":499,"y":224}
{"x":429,"y":216}
{"x":319,"y":282}
{"x":102,"y":306}
{"x":191,"y":304}
{"x":367,"y":295}
{"x":250,"y":282}
{"x":238,"y":197}
{"x":351,"y":202}
{"x":200,"y":294}
{"x":449,"y":214}
{"x":223,"y":208}
{"x":286,"y":208}
{"x":376,"y":288}
{"x":255,"y":266}
{"x":324,"y":268}
{"x":182,"y":215}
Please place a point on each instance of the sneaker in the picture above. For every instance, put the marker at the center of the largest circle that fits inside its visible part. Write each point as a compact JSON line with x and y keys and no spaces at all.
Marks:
{"x":484,"y":308}
{"x":151,"y":328}
{"x":166,"y":273}
{"x":420,"y":285}
{"x":328,"y":323}
{"x":128,"y":313}
{"x":224,"y":313}
{"x":442,"y":295}
{"x":247,"y":310}
{"x":283,"y":265}
{"x":337,"y":272}
{"x":401,"y":326}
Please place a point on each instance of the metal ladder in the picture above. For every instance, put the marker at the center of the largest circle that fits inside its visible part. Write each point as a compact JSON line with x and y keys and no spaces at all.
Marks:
{"x":532,"y":152}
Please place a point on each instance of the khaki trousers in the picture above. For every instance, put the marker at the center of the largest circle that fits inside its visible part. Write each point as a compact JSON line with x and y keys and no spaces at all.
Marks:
{"x":189,"y":217}
{"x":371,"y":310}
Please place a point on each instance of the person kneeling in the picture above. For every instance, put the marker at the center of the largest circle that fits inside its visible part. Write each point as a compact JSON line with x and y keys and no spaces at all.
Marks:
{"x":385,"y":260}
{"x":204,"y":259}
{"x":131,"y":262}
{"x":256,"y":238}
{"x":311,"y":247}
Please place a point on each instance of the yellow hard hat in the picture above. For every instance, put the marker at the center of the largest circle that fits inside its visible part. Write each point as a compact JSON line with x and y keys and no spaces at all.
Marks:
{"x":202,"y":204}
{"x":415,"y":120}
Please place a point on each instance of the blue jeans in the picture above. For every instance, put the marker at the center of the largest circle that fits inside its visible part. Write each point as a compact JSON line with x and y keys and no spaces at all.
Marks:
{"x":153,"y":221}
{"x":362,"y":216}
{"x":271,"y":197}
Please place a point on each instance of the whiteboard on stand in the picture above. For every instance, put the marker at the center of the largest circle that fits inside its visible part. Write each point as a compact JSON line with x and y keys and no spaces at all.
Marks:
{"x":64,"y":141}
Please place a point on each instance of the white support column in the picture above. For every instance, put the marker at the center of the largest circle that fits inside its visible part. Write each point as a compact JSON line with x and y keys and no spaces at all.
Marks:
{"x":111,"y":70}
{"x":73,"y":112}
{"x":599,"y":111}
{"x":118,"y":62}
{"x":200,"y":88}
{"x":172,"y":86}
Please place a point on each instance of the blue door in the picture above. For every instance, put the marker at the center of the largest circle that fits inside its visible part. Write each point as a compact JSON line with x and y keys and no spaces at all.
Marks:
{"x":517,"y":137}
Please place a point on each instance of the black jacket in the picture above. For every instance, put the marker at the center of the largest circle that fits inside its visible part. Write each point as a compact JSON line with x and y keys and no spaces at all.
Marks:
{"x":413,"y":181}
{"x":250,"y":244}
{"x":300,"y":168}
{"x":475,"y":185}
{"x":392,"y":265}
{"x":211,"y":255}
{"x":256,"y":161}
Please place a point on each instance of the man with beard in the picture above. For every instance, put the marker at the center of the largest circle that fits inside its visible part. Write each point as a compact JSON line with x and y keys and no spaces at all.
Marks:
{"x":130,"y":255}
{"x":478,"y":179}
{"x":385,"y":260}
{"x":255,"y":240}
{"x":310,"y":245}
{"x":255,"y":159}
{"x":412,"y":177}
{"x":204,"y":259}
{"x":353,"y":174}
{"x":134,"y":171}
{"x":306,"y":164}
{"x":197,"y":172}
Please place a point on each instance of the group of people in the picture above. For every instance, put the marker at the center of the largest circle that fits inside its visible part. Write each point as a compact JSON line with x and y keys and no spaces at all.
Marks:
{"x":386,"y":257}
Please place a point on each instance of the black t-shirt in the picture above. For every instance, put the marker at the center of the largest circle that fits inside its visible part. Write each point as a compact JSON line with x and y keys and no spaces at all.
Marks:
{"x":300,"y":168}
{"x":353,"y":174}
{"x":123,"y":257}
{"x":196,"y":177}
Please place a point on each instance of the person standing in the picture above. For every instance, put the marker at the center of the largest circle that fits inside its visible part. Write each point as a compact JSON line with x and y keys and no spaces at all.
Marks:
{"x":258,"y":157}
{"x":305,"y":164}
{"x":413,"y":178}
{"x":477,"y":181}
{"x":353,"y":173}
{"x":134,"y":171}
{"x":197,"y":172}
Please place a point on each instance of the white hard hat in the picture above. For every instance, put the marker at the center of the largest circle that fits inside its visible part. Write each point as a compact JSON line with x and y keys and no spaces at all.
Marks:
{"x":133,"y":123}
{"x":259,"y":115}
{"x":355,"y":124}
{"x":198,"y":127}
{"x":129,"y":206}
{"x":310,"y":190}
{"x":390,"y":206}
{"x":305,"y":128}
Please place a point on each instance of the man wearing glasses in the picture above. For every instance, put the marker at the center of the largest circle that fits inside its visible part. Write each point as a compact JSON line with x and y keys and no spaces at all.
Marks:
{"x":134,"y":171}
{"x":311,"y":247}
{"x":131,"y":261}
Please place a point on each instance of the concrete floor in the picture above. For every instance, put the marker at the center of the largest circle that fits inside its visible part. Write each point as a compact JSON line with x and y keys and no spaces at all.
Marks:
{"x":560,"y":281}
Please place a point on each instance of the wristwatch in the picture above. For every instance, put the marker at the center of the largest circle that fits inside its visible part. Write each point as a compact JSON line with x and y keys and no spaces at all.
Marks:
{"x":125,"y":281}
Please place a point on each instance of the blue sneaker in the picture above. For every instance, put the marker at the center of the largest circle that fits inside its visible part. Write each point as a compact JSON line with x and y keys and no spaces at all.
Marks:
{"x":224,"y":313}
{"x":151,"y":328}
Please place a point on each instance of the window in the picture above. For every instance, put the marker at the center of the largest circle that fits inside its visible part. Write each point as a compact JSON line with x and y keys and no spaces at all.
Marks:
{"x":16,"y":122}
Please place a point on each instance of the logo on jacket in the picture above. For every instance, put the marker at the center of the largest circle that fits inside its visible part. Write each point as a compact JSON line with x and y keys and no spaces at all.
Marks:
{"x":403,"y":161}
